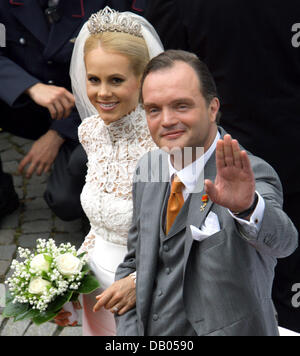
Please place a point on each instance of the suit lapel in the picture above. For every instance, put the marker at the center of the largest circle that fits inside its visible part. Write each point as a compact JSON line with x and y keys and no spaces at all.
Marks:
{"x":30,"y":14}
{"x":153,"y":198}
{"x":196,"y":215}
{"x":180,"y":222}
{"x":63,"y":31}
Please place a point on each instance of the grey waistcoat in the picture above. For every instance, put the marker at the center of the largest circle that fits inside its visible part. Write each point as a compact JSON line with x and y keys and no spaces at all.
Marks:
{"x":167,"y":316}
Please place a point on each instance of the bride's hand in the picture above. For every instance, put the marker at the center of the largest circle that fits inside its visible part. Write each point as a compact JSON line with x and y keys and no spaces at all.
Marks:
{"x":118,"y":298}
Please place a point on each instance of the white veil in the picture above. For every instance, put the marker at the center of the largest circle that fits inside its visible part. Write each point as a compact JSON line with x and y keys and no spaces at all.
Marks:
{"x":77,"y":68}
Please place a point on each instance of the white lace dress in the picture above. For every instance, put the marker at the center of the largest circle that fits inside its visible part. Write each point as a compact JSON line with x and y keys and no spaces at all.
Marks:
{"x":113,"y":151}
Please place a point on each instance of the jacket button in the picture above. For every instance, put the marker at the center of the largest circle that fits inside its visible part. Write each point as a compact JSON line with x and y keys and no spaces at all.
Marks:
{"x":155,"y":317}
{"x":22,"y":41}
{"x":51,"y":82}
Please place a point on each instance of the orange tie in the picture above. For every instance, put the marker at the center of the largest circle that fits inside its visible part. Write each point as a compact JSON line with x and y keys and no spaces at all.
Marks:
{"x":175,"y":202}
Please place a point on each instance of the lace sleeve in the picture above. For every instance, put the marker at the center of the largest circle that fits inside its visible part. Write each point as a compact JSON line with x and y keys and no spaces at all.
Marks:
{"x":88,"y":244}
{"x":89,"y":129}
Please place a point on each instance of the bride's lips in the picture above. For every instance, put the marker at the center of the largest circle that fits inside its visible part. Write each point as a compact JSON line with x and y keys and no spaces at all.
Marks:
{"x":171,"y":135}
{"x":108,"y":106}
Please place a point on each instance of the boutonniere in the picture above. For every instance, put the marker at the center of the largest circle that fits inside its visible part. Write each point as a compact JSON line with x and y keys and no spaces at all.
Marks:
{"x":204,"y":200}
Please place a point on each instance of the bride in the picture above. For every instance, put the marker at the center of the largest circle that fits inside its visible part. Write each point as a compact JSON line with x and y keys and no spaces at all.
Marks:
{"x":108,"y":61}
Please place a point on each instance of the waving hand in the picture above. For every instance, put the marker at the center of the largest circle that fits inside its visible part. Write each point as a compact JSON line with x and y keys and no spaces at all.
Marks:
{"x":234,"y":187}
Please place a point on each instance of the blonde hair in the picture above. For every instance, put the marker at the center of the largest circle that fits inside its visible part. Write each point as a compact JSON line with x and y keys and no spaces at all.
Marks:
{"x":134,"y":48}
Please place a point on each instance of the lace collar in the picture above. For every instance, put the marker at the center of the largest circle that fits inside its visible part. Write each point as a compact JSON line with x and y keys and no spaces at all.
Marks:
{"x":128,"y":126}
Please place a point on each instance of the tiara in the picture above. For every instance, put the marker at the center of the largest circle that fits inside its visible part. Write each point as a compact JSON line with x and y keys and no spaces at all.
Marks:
{"x":109,"y":20}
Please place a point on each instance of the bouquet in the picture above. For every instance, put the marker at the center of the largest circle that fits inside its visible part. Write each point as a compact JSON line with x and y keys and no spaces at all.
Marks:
{"x":48,"y":278}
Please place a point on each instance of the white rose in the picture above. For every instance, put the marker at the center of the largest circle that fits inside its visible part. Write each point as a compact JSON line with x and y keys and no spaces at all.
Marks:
{"x":40,"y":264}
{"x":38,"y":286}
{"x":68,"y":264}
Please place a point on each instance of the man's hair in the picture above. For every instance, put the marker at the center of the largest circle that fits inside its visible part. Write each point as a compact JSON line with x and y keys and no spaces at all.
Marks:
{"x":169,"y":58}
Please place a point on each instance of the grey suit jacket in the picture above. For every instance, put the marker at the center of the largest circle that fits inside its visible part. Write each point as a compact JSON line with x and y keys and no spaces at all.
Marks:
{"x":228,"y":277}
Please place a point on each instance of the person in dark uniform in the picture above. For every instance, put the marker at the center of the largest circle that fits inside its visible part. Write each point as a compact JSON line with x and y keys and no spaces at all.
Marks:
{"x":36,"y":100}
{"x":253,"y":51}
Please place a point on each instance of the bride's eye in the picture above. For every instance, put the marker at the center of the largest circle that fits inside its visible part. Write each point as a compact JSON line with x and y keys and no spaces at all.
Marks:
{"x":117,"y":80}
{"x":93,"y":80}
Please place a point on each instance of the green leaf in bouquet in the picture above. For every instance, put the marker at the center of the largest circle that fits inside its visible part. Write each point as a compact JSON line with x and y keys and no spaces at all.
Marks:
{"x":53,"y":309}
{"x":85,"y":269}
{"x":14,"y":309}
{"x":88,"y":285}
{"x":44,"y":317}
{"x":58,"y":303}
{"x":8,"y":296}
{"x":29,"y":314}
{"x":81,"y":255}
{"x":48,"y":258}
{"x":46,"y":277}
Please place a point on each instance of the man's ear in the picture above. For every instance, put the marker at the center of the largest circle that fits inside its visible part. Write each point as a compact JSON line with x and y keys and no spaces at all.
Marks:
{"x":213,"y":109}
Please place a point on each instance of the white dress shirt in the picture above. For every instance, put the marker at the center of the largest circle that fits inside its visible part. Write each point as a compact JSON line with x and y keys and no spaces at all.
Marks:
{"x":190,"y":175}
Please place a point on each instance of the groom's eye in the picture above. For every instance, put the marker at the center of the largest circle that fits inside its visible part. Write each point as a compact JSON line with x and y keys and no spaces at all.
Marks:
{"x":152,"y":111}
{"x":182,"y":106}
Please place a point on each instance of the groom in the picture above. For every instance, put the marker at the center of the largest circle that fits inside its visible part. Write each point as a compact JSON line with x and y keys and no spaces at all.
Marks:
{"x":204,"y":258}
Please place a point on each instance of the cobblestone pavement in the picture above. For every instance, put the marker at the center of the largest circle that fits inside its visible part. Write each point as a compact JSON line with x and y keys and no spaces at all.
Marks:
{"x":32,"y":220}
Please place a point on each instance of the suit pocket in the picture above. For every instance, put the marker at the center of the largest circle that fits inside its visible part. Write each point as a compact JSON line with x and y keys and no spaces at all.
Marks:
{"x":212,"y":241}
